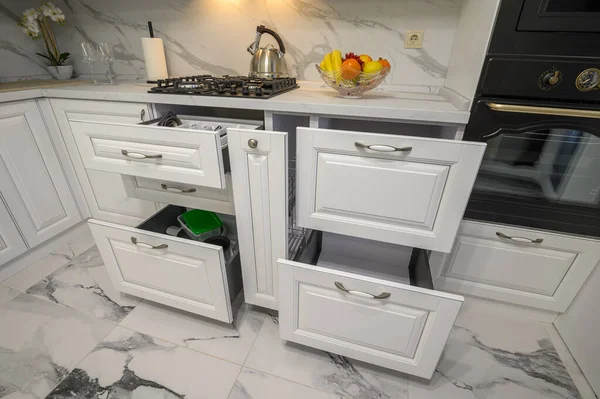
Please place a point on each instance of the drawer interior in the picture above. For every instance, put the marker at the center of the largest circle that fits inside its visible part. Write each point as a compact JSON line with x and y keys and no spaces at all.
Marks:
{"x":388,"y":127}
{"x":212,"y":112}
{"x":206,"y":123}
{"x":401,"y":264}
{"x":166,"y":217}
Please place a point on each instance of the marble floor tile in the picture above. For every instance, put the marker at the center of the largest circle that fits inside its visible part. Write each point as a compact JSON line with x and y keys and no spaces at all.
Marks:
{"x":40,"y":342}
{"x":253,"y":384}
{"x":50,"y":263}
{"x":327,"y":372}
{"x":226,"y":341}
{"x":492,"y":357}
{"x":128,"y":364}
{"x":83,"y":284}
{"x":6,"y":294}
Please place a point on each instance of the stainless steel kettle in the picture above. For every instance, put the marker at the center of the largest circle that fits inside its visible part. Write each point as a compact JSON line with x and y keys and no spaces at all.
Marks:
{"x":267,"y":62}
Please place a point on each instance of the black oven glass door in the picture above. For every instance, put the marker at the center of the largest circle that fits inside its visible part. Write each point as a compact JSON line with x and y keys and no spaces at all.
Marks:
{"x":538,"y":170}
{"x":560,"y":16}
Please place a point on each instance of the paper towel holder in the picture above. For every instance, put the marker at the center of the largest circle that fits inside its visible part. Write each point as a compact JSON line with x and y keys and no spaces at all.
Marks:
{"x":154,"y":57}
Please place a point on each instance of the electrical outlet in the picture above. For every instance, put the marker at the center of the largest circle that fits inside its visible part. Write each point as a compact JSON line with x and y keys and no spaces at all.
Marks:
{"x":413,"y":39}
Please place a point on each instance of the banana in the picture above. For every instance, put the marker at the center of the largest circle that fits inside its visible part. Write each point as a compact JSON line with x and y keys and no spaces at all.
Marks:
{"x":336,"y":62}
{"x":328,"y":64}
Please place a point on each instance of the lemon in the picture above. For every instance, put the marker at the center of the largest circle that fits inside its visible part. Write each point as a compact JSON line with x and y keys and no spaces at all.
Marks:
{"x":365,"y":58}
{"x":372,"y":67}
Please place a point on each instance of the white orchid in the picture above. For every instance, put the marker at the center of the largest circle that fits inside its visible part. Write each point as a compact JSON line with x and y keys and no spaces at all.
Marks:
{"x":46,"y":10}
{"x":35,"y":21}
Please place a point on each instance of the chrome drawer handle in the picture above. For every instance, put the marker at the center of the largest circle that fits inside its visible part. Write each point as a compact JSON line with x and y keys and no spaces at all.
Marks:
{"x":142,"y":114}
{"x":382,"y":147}
{"x":148,"y":246}
{"x":139,"y":155}
{"x":341,"y":287}
{"x":177,"y":190}
{"x":520,"y":239}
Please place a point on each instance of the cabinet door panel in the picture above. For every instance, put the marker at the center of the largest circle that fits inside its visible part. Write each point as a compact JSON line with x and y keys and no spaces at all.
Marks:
{"x":11,"y":242}
{"x":403,"y":190}
{"x":260,"y":195}
{"x":33,"y":183}
{"x":104,"y":192}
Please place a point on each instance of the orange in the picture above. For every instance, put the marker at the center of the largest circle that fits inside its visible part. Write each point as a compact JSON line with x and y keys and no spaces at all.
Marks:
{"x":384,"y":62}
{"x":350,"y":69}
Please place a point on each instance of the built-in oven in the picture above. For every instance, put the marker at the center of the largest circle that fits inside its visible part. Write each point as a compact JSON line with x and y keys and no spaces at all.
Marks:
{"x":547,"y":28}
{"x":541,"y":167}
{"x":560,"y":16}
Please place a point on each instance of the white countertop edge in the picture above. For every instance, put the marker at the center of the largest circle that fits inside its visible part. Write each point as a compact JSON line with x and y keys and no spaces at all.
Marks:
{"x":440,"y":108}
{"x":19,"y":95}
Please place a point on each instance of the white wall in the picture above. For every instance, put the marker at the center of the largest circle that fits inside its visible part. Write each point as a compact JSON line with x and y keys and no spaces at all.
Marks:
{"x":211,"y":36}
{"x":470,"y":45}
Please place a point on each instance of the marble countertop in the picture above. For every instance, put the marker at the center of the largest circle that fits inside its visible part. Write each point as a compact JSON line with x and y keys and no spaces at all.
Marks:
{"x":311,"y":98}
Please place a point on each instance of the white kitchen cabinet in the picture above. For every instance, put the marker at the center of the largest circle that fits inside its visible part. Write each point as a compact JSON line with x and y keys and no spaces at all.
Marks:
{"x":11,"y":242}
{"x":369,"y":300}
{"x":526,"y":267}
{"x":399,"y":189}
{"x":179,"y":272}
{"x":32,"y":181}
{"x":104,"y":191}
{"x":259,"y":173}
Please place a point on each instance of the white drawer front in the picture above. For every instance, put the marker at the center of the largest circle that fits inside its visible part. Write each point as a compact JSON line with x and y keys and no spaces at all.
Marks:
{"x":526,"y":268}
{"x":173,"y":154}
{"x":414,"y":196}
{"x":393,"y":327}
{"x":362,"y":188}
{"x":406,"y":331}
{"x":103,"y":111}
{"x":185,"y":274}
{"x":166,"y":192}
{"x":545,"y":275}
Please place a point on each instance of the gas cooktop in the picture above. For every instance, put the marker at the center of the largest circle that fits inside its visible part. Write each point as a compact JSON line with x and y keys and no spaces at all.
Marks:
{"x":226,"y":86}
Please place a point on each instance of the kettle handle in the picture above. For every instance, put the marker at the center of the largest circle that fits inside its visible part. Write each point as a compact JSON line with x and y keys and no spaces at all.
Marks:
{"x":263,"y":29}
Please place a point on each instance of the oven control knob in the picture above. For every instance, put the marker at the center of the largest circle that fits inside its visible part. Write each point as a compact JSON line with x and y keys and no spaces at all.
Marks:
{"x":550,"y":79}
{"x":588,"y":80}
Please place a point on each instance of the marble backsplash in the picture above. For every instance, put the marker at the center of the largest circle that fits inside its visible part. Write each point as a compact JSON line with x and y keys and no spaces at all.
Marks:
{"x":211,"y":36}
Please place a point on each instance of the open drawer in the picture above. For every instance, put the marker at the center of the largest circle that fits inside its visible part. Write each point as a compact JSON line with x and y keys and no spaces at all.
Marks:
{"x":399,"y":189}
{"x":190,"y":275}
{"x":367,"y":300}
{"x":189,"y":154}
{"x":191,"y":196}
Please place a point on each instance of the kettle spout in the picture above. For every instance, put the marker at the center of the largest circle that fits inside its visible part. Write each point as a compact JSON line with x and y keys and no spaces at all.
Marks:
{"x":252,"y":48}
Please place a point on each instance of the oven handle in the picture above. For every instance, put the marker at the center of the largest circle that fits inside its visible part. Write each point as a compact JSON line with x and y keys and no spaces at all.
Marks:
{"x":527,"y":109}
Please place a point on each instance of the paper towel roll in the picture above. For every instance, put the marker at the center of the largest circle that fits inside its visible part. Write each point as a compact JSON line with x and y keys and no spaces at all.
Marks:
{"x":154,"y":58}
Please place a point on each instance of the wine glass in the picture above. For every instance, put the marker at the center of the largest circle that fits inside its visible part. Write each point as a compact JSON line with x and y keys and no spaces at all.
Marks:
{"x":87,"y":54}
{"x":106,"y":54}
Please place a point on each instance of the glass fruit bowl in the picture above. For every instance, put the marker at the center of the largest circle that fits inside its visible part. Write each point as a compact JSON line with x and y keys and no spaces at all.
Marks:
{"x":355,"y":87}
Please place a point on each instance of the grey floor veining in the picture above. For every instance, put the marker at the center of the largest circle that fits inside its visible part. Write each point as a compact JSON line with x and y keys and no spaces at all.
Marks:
{"x":66,"y":333}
